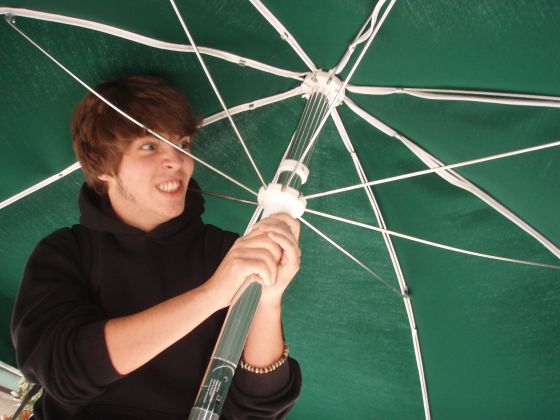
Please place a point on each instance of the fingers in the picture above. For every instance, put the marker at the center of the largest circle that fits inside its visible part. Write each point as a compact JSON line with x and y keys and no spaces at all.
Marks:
{"x":292,"y":223}
{"x":258,"y":239}
{"x":282,"y":221}
{"x":292,"y":252}
{"x":270,"y":251}
{"x":249,"y":261}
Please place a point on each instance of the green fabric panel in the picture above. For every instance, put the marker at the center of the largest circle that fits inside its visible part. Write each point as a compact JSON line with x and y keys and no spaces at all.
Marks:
{"x":483,"y":44}
{"x":458,"y":131}
{"x":488,"y":329}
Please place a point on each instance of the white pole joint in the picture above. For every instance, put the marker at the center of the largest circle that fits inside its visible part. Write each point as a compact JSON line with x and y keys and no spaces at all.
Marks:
{"x":323,"y":82}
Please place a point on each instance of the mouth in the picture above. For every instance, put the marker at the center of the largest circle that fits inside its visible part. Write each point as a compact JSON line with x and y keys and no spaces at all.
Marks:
{"x":169,"y":187}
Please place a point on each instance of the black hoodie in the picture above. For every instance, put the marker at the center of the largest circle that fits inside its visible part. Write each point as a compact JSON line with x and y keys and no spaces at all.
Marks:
{"x":78,"y":278}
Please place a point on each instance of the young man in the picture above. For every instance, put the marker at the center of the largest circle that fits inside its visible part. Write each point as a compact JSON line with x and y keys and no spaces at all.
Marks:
{"x":117,"y":317}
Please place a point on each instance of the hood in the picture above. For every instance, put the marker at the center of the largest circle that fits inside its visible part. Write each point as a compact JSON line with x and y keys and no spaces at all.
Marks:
{"x":97,"y":214}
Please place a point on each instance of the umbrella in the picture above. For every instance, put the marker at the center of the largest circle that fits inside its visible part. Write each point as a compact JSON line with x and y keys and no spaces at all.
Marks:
{"x":402,"y":328}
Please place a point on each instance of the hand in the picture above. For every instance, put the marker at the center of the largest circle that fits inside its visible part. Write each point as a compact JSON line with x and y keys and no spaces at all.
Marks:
{"x":284,"y":231}
{"x":255,"y":256}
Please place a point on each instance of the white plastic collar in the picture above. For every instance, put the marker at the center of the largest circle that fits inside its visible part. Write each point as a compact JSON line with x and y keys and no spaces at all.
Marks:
{"x":289,"y":165}
{"x":273,"y":200}
{"x":319,"y":82}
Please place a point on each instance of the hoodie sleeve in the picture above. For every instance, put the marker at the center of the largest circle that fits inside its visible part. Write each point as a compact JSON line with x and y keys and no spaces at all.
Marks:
{"x":57,"y":329}
{"x":268,"y":396}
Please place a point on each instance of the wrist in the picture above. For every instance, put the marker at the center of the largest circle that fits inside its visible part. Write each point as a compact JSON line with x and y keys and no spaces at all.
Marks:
{"x":270,"y":303}
{"x":211,"y":296}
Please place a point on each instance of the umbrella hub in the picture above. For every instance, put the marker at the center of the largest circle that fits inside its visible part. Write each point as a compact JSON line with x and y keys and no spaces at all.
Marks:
{"x":324,"y":83}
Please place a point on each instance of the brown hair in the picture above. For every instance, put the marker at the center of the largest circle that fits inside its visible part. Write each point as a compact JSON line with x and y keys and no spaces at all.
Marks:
{"x":100,"y":135}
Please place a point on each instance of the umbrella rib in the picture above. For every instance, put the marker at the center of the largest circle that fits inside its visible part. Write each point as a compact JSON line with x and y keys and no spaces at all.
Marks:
{"x":124,"y":114}
{"x":216,"y":91}
{"x":349,"y":255}
{"x":434,"y":170}
{"x":284,"y":33}
{"x":431,"y":243}
{"x":453,"y":177}
{"x":227,"y":197}
{"x":151,"y":42}
{"x":361,"y":37}
{"x":39,"y":185}
{"x":334,"y":100}
{"x":394,"y":259}
{"x":503,"y":98}
{"x":369,"y":193}
{"x":250,"y":106}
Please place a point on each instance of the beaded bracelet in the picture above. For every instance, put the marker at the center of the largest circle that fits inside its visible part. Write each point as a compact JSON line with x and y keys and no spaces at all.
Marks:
{"x":250,"y":368}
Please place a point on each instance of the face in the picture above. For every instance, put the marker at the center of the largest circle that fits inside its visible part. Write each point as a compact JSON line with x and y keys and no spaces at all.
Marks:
{"x":151,"y":183}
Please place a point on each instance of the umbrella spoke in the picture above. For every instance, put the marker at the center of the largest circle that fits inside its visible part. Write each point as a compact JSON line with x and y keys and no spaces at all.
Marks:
{"x":361,"y":37}
{"x":11,"y":22}
{"x":349,"y":255}
{"x":503,"y":98}
{"x":40,"y":185}
{"x":430,"y":243}
{"x":446,"y":172}
{"x":284,"y":33}
{"x":254,"y":219}
{"x":435,"y":170}
{"x":371,"y":198}
{"x":217,"y":92}
{"x":226,"y":197}
{"x":250,"y":106}
{"x":151,"y":42}
{"x":394,"y":259}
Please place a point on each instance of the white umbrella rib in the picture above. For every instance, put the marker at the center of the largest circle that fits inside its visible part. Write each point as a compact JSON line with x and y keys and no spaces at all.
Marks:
{"x":217,"y":92}
{"x":151,"y":42}
{"x":124,"y":114}
{"x":430,"y":243}
{"x":446,"y":172}
{"x":393,"y":255}
{"x":39,"y":185}
{"x":349,"y":255}
{"x":369,"y":193}
{"x":250,"y":106}
{"x":224,"y":196}
{"x":361,"y":37}
{"x":433,"y":170}
{"x":284,"y":33}
{"x":503,"y":98}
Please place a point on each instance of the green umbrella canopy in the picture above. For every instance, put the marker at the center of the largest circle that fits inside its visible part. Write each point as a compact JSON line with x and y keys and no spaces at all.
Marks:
{"x":487,"y":329}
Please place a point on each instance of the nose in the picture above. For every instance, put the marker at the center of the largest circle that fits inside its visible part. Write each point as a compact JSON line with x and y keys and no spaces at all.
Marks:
{"x":172,"y":158}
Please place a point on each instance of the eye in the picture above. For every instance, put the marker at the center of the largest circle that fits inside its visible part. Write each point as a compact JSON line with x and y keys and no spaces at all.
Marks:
{"x":148,"y":146}
{"x":184,"y":144}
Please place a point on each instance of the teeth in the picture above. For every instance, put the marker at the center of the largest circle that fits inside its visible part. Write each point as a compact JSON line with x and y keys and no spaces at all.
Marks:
{"x":169,"y":186}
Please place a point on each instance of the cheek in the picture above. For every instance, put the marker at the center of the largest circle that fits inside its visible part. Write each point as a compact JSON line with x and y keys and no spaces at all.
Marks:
{"x":137,"y":170}
{"x":189,"y":166}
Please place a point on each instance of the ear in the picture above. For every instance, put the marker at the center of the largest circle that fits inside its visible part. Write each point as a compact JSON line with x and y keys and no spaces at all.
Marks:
{"x":105,"y":177}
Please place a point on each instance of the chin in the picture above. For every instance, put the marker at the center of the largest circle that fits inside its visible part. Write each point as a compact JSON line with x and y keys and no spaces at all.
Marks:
{"x":176,"y":212}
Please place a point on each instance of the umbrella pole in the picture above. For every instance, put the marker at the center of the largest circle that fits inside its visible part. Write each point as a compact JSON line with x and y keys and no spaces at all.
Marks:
{"x":281,"y":195}
{"x":220,"y":370}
